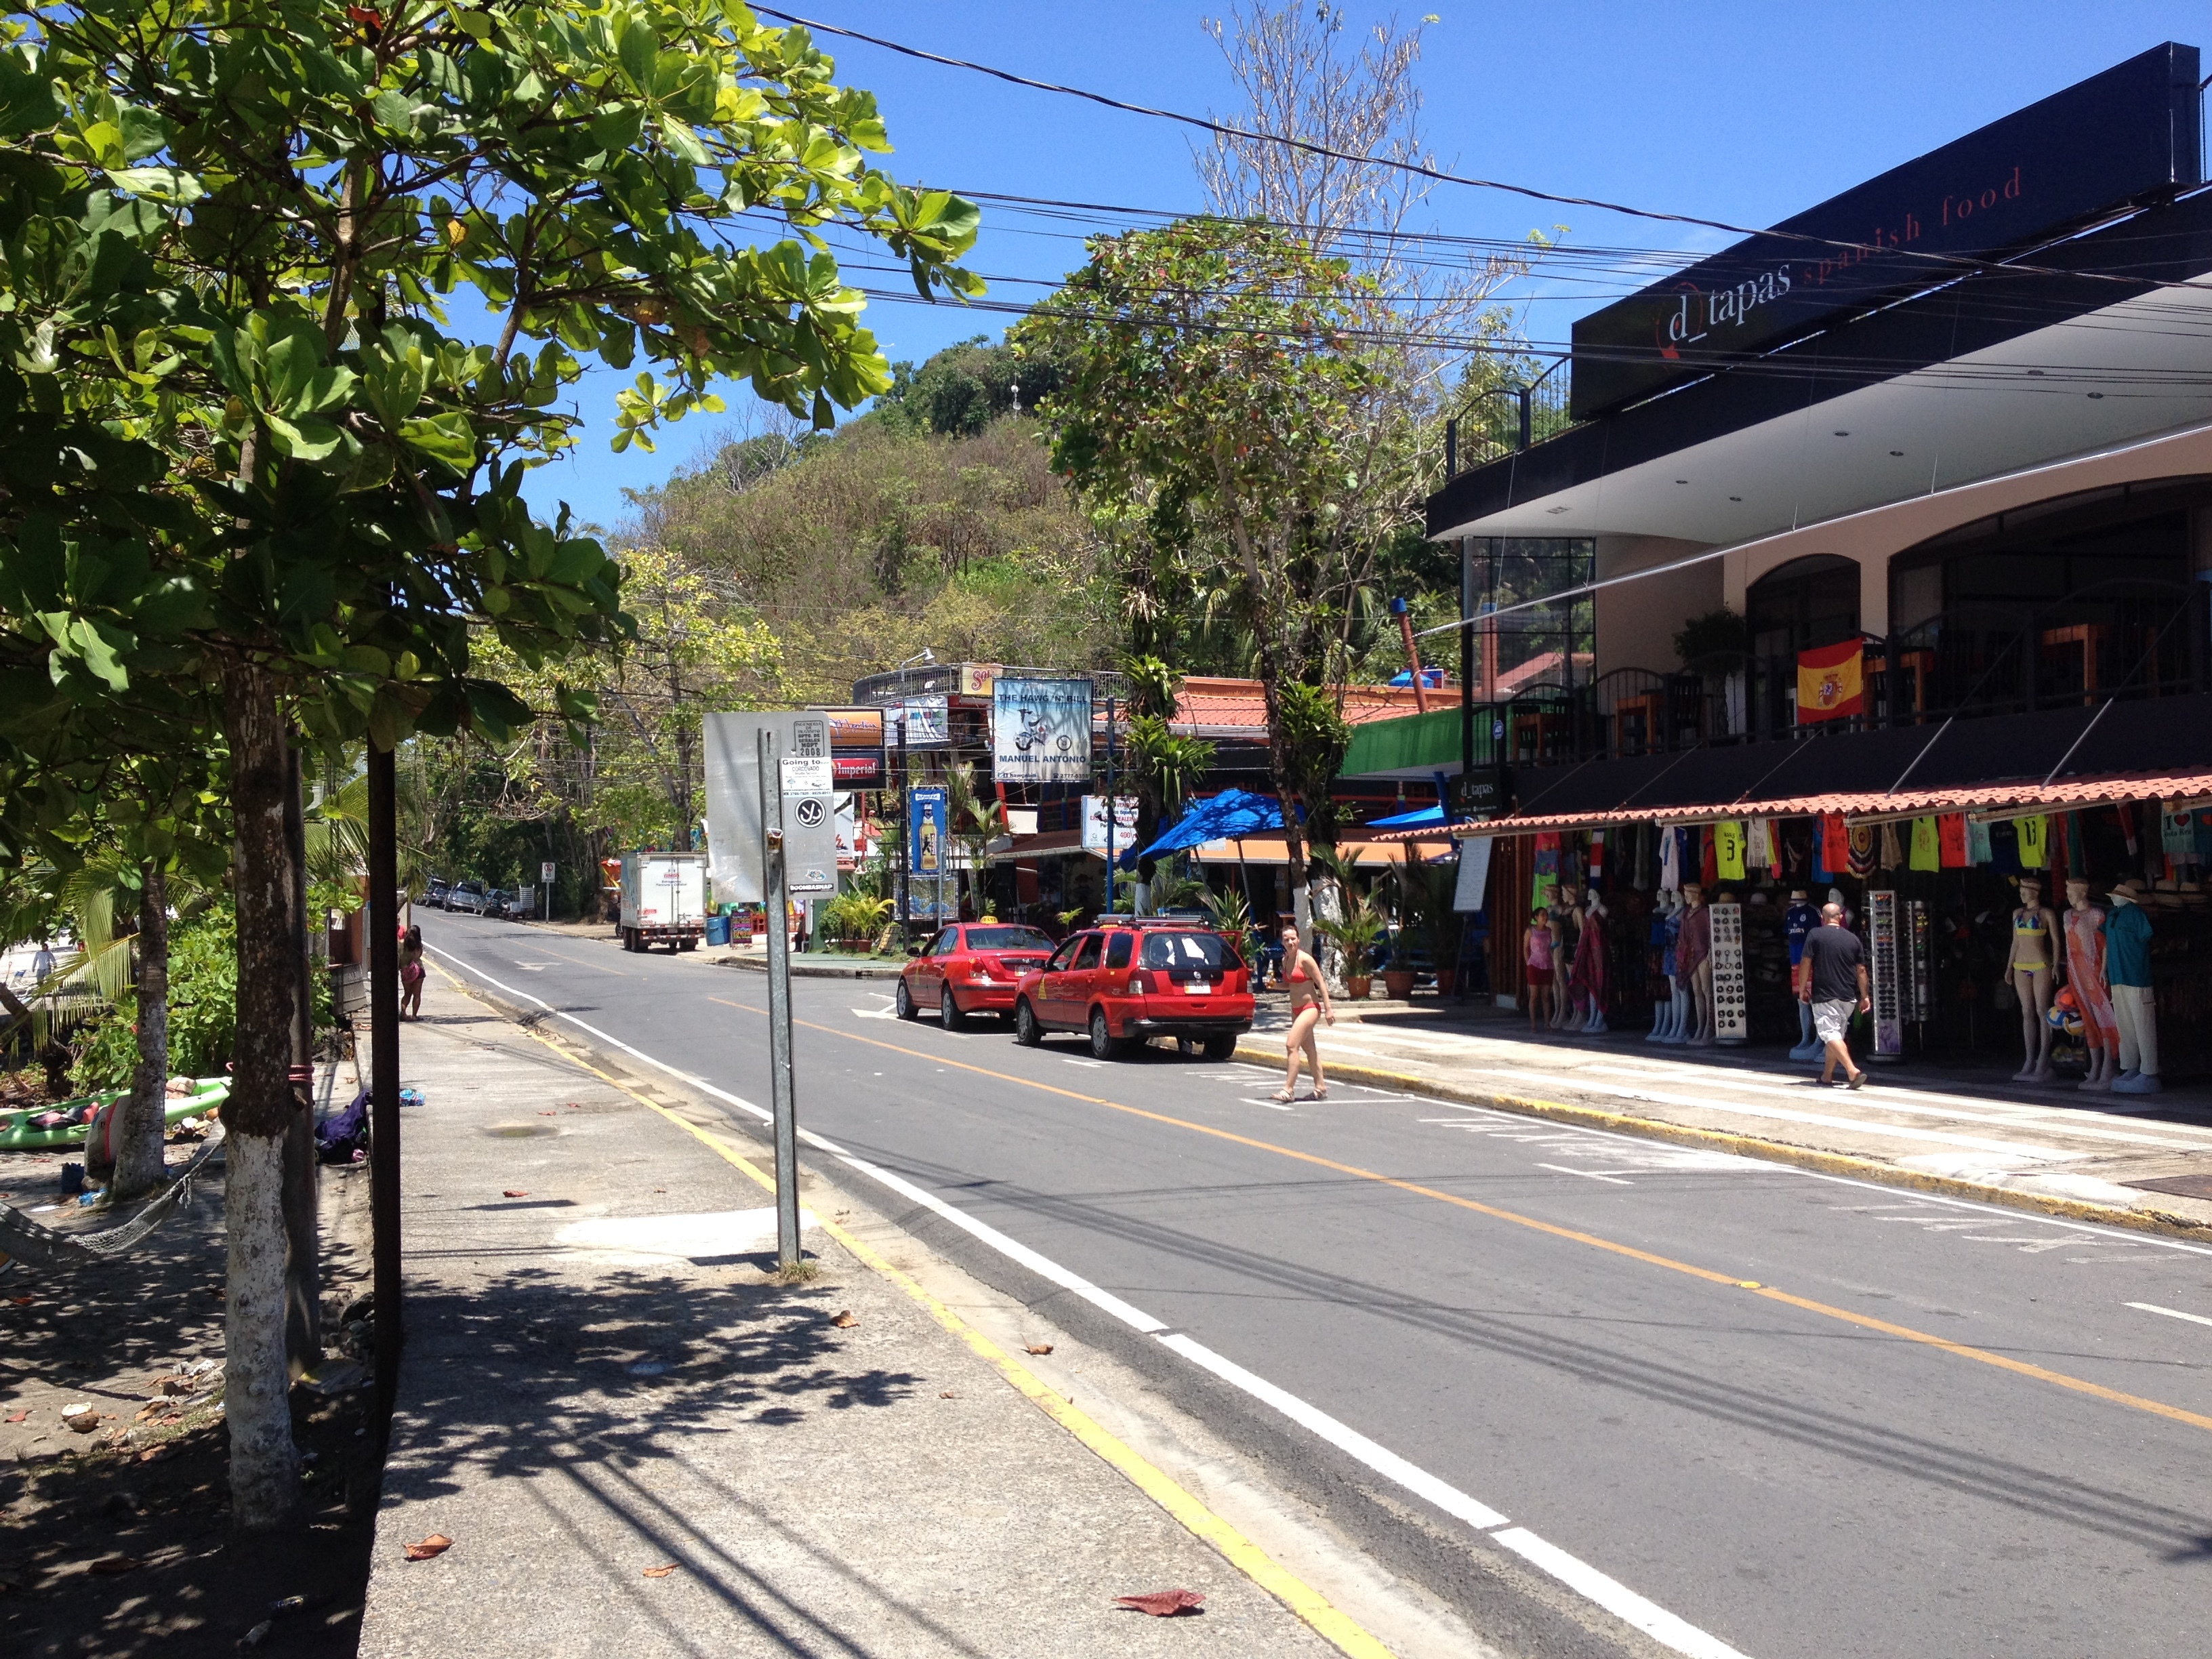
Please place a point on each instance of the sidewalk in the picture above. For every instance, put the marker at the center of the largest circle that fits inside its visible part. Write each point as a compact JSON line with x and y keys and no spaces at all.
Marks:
{"x":604,"y":1379}
{"x":2143,"y":1160}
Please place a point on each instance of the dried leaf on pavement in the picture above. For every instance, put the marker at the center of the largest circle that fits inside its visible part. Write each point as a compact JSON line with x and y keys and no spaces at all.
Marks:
{"x":116,"y":1563}
{"x":661,"y":1571}
{"x":1162,"y":1604}
{"x":1040,"y":1347}
{"x":436,"y":1544}
{"x":19,"y":1417}
{"x":844,"y":1320}
{"x":512,"y":1192}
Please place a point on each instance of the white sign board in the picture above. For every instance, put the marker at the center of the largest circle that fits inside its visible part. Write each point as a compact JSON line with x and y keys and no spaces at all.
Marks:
{"x":810,"y":826}
{"x":733,"y":797}
{"x":1473,"y":874}
{"x":546,"y":872}
{"x":1041,"y":730}
{"x":929,"y":723}
{"x":1094,"y":823}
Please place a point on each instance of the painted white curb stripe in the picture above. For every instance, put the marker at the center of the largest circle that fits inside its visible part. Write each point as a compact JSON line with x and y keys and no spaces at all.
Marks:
{"x":1578,"y":1575}
{"x":1616,"y":1599}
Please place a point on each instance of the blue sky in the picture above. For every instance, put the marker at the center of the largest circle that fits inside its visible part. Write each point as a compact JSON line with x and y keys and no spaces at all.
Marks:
{"x":1741,"y":114}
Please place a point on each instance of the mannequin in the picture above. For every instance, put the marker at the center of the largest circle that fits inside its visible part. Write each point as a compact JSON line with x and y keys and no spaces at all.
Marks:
{"x":2085,"y":973}
{"x":2127,"y":968}
{"x":1695,"y":955}
{"x":1800,"y":920}
{"x":1566,"y":910}
{"x":1678,"y":981}
{"x":1662,"y":1007}
{"x":1589,"y":965}
{"x":2031,"y":968}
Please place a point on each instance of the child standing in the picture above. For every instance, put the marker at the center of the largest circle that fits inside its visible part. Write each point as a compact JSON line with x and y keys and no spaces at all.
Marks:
{"x":1537,"y":954}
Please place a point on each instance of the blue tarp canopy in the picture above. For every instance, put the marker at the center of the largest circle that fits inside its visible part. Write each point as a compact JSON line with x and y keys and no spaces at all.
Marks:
{"x":1225,"y":816}
{"x":1412,"y":820}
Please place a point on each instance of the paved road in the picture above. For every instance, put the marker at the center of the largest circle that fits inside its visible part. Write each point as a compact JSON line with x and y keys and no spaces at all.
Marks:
{"x":1739,"y":1407}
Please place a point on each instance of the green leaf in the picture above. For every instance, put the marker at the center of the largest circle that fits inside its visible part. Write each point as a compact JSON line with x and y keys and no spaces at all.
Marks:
{"x":171,"y":185}
{"x":447,"y":438}
{"x":26,"y":97}
{"x":310,"y":438}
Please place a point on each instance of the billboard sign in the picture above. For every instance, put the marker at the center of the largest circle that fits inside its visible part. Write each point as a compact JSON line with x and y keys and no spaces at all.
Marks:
{"x":733,"y":795}
{"x":928,"y":722}
{"x":1094,"y":823}
{"x":977,"y":679}
{"x":1041,"y":730}
{"x":2022,"y":180}
{"x":856,"y":747}
{"x":928,"y":850}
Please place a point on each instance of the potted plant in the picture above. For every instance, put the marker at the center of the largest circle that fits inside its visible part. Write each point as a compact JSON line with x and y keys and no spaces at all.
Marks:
{"x":1440,"y":925}
{"x":1355,"y":934}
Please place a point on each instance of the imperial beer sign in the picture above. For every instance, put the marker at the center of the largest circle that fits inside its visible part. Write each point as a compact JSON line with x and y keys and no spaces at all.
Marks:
{"x":2127,"y":136}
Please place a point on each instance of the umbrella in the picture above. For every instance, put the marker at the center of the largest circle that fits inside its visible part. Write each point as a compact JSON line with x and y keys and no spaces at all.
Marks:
{"x":1229,"y":816}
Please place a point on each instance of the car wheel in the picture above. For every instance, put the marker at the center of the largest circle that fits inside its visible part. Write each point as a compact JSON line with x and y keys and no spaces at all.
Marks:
{"x":689,"y":945}
{"x":904,"y":1002}
{"x":948,"y":1011}
{"x":1223,"y":1047}
{"x":1104,"y":1045}
{"x":1027,"y":1031}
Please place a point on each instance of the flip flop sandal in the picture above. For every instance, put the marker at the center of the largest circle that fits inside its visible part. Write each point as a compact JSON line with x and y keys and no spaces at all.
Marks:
{"x":1284,"y":1096}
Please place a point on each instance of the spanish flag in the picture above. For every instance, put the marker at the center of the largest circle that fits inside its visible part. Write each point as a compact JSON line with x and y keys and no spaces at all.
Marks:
{"x":1832,"y":682}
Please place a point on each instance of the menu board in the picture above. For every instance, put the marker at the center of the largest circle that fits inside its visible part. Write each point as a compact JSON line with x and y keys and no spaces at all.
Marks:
{"x":1731,"y":1004}
{"x":1882,"y":969}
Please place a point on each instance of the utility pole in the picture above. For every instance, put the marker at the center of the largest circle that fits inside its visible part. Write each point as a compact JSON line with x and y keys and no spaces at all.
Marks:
{"x":1110,"y":803}
{"x":775,"y":889}
{"x":906,"y":837}
{"x":384,"y":1068}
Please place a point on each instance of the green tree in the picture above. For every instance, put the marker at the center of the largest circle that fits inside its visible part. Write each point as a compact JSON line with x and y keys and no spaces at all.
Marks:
{"x":246,"y":446}
{"x":1214,"y":384}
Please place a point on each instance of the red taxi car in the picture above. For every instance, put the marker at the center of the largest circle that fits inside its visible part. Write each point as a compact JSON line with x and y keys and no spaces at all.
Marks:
{"x":972,"y":968}
{"x":1132,"y":978}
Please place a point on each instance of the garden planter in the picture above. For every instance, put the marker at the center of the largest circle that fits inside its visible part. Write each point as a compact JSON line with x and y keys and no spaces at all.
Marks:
{"x":1446,"y":979}
{"x":1359,"y":986}
{"x":1398,"y":983}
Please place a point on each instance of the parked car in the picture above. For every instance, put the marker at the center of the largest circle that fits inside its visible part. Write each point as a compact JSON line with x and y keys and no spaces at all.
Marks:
{"x":499,"y":904}
{"x":970,"y":969}
{"x":469,"y":896}
{"x":1130,"y":979}
{"x":434,"y":895}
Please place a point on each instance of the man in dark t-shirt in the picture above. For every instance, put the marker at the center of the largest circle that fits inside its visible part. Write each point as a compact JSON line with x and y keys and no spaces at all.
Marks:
{"x":1832,"y":978}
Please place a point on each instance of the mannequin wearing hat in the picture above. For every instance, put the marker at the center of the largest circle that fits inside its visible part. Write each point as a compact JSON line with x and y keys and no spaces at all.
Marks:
{"x":2031,"y":969}
{"x":2085,"y":973}
{"x":2127,"y":969}
{"x":1799,"y":920}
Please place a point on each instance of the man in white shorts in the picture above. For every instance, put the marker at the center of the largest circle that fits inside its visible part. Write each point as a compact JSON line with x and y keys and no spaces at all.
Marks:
{"x":1833,"y":977}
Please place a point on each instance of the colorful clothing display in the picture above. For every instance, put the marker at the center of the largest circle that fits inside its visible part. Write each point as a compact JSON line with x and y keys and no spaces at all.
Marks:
{"x":2034,"y":843}
{"x":1728,"y":850}
{"x":1588,"y":978}
{"x":1952,"y":839}
{"x":2085,"y":972}
{"x":1697,"y":940}
{"x":1927,"y":845}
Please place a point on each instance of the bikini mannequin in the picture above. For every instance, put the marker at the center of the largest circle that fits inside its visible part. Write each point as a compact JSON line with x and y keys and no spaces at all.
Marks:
{"x":1589,"y":964}
{"x":2085,"y":972}
{"x":1662,"y":1007}
{"x":2030,"y":969}
{"x":1696,"y":958}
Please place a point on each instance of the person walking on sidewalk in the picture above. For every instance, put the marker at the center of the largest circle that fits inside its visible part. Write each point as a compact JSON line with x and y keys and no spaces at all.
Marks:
{"x":1309,"y":1005}
{"x":411,"y":974}
{"x":1833,"y":977}
{"x":1536,"y":959}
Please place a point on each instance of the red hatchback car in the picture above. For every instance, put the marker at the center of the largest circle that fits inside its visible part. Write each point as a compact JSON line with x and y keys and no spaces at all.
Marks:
{"x":972,"y":968}
{"x":1129,"y":979}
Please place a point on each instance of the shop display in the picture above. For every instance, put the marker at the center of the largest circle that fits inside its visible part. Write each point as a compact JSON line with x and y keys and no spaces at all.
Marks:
{"x":1589,"y":975}
{"x":1797,"y":921}
{"x":2030,"y":969}
{"x":1693,"y":956}
{"x":1667,"y":1025}
{"x":1884,"y":977}
{"x":1731,"y":1012}
{"x":2085,"y":978}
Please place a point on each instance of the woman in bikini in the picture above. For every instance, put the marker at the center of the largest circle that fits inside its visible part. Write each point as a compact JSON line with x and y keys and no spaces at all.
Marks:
{"x":1308,"y":1007}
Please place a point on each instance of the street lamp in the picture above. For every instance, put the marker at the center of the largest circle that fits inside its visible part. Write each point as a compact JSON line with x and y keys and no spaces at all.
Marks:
{"x":926,"y":655}
{"x":1526,"y":394}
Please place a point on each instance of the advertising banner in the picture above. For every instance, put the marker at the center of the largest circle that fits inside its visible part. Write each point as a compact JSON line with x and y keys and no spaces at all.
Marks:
{"x":1094,"y":823}
{"x":928,"y":856}
{"x":1041,"y":730}
{"x":977,"y":679}
{"x":928,"y":722}
{"x":733,"y":793}
{"x":856,"y":747}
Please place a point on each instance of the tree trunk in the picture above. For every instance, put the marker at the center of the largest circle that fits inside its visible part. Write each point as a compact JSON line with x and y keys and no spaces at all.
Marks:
{"x":264,"y":1464}
{"x":303,"y":1313}
{"x":142,"y":1165}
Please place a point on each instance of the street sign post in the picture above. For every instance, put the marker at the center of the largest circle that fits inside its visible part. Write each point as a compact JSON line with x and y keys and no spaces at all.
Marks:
{"x":735,"y":793}
{"x":773,"y":852}
{"x":809,"y":825}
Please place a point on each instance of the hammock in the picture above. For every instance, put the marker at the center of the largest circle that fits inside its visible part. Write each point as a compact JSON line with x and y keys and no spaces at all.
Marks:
{"x":25,"y":1241}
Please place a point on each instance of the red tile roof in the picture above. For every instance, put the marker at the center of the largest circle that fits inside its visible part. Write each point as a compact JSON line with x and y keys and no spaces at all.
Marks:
{"x":1225,"y":707}
{"x":1994,"y":797}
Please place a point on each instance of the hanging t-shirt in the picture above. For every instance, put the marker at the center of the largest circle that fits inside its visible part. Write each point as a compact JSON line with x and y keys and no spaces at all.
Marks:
{"x":1708,"y":862}
{"x":1670,"y":860}
{"x":1893,"y":849}
{"x":1759,"y":844}
{"x":1547,"y":853}
{"x":1951,"y":839}
{"x":1728,"y":850}
{"x":1835,"y":843}
{"x":1927,"y":845}
{"x":1981,"y":845}
{"x":2034,"y":843}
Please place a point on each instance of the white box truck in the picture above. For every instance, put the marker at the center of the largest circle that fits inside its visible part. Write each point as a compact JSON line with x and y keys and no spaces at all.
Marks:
{"x":664,"y":900}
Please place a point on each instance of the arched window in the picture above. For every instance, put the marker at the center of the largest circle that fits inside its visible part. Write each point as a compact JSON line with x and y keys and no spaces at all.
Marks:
{"x":1808,"y":602}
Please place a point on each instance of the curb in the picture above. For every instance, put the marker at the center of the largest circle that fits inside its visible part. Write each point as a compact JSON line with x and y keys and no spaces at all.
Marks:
{"x":1770,"y":1151}
{"x":801,"y":969}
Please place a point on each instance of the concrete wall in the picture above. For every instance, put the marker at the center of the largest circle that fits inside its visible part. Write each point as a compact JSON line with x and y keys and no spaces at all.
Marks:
{"x":1637,"y":621}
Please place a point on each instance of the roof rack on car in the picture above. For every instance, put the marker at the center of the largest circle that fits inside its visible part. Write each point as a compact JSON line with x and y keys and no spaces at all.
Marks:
{"x":1179,"y":918}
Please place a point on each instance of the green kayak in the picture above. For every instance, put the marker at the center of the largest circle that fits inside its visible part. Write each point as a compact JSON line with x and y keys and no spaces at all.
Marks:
{"x":18,"y":1134}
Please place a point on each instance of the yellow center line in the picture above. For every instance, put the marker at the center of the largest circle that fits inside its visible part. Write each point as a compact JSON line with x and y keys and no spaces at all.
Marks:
{"x":1347,"y":1636}
{"x":1963,"y":1351}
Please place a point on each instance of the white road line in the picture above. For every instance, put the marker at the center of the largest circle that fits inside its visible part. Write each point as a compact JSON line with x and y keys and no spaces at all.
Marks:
{"x":1822,"y":1120}
{"x":1592,"y":1175}
{"x":2171,"y":1313}
{"x":1577,"y":1575}
{"x":1616,"y":1598}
